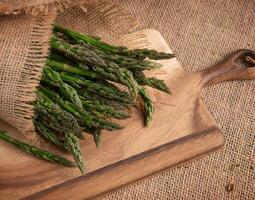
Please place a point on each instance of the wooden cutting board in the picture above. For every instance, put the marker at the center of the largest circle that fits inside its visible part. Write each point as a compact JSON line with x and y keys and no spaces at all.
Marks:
{"x":182,"y":129}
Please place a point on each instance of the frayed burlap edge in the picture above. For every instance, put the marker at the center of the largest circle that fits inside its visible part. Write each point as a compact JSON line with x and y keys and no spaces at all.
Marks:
{"x":36,"y":58}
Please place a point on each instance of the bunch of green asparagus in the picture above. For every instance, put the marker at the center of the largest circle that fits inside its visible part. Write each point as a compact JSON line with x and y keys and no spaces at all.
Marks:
{"x":78,"y":91}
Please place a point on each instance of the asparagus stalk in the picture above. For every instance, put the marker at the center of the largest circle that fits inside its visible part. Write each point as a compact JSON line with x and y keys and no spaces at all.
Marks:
{"x":148,"y":106}
{"x":49,"y":135}
{"x":36,"y":151}
{"x":56,"y":117}
{"x":61,"y":66}
{"x":136,"y":53}
{"x":73,"y":146}
{"x":95,"y":98}
{"x":123,"y":61}
{"x":148,"y":53}
{"x":98,"y":88}
{"x":88,"y":119}
{"x":110,"y":70}
{"x":77,"y":36}
{"x":76,"y":52}
{"x":98,"y":73}
{"x":104,"y":109}
{"x":98,"y":137}
{"x":151,"y":81}
{"x":53,"y":78}
{"x":154,"y":83}
{"x":68,"y":60}
{"x":54,"y":56}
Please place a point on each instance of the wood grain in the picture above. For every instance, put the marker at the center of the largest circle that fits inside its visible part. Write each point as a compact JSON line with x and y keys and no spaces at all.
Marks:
{"x":135,"y":167}
{"x":181,"y":129}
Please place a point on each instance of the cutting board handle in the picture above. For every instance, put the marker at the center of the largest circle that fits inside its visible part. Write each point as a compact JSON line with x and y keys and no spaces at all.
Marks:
{"x":239,"y":65}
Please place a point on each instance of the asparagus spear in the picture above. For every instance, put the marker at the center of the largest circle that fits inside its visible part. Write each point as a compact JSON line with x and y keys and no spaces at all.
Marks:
{"x":124,"y":61}
{"x":110,"y":70}
{"x":75,"y":51}
{"x":123,"y":76}
{"x":36,"y":151}
{"x":73,"y":146}
{"x":97,"y":135}
{"x":147,"y":53}
{"x":95,"y":98}
{"x":54,"y":56}
{"x":155,"y":83}
{"x":88,"y":119}
{"x":77,"y":36}
{"x":49,"y":135}
{"x":104,"y":109}
{"x":98,"y":88}
{"x":53,"y":78}
{"x":68,"y":60}
{"x":56,"y":117}
{"x":98,"y":73}
{"x":148,"y":106}
{"x":151,"y":81}
{"x":61,"y":66}
{"x":136,"y":53}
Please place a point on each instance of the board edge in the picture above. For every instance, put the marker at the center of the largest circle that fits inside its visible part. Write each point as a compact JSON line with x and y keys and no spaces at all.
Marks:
{"x":129,"y":163}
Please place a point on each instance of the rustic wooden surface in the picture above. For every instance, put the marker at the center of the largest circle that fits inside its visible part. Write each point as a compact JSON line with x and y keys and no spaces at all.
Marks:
{"x":181,"y":129}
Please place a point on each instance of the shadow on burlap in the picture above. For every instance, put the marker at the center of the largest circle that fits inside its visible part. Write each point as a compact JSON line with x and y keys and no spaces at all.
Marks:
{"x":201,"y":33}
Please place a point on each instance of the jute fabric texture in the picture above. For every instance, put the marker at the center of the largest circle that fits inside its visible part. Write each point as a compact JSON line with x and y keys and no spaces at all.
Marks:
{"x":23,"y":52}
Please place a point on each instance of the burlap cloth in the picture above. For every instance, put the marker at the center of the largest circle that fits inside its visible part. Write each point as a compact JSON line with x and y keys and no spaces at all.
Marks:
{"x":200,"y":33}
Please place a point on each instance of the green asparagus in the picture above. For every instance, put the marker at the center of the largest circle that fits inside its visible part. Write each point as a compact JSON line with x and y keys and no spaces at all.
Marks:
{"x":53,"y":78}
{"x":95,"y":98}
{"x":97,"y":137}
{"x":56,"y":117}
{"x":122,"y":76}
{"x":73,"y":146}
{"x":148,"y":106}
{"x":61,"y":66}
{"x":49,"y":135}
{"x":124,"y":61}
{"x":98,"y":88}
{"x":88,"y":119}
{"x":106,"y":69}
{"x":51,"y":157}
{"x":151,"y":81}
{"x":136,"y":53}
{"x":104,"y":109}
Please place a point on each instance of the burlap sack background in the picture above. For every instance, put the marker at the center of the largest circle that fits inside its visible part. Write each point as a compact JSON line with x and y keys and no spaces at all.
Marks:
{"x":200,"y":33}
